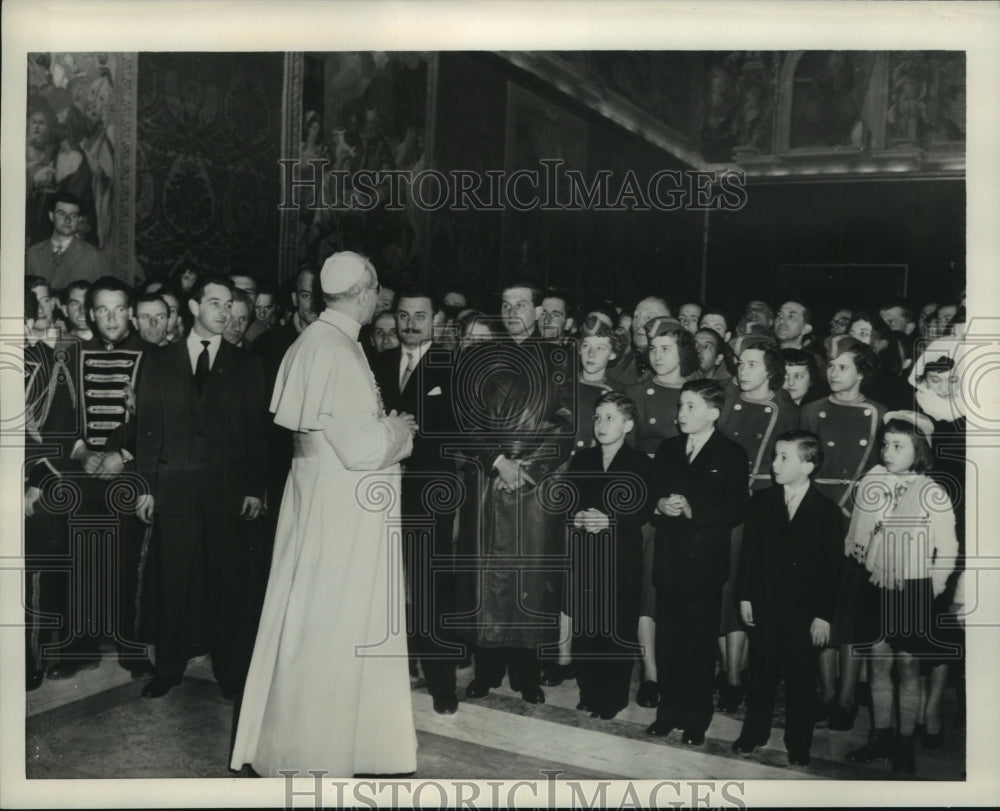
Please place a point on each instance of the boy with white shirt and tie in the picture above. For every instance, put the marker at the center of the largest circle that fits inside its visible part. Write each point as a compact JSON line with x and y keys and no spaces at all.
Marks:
{"x":792,"y":544}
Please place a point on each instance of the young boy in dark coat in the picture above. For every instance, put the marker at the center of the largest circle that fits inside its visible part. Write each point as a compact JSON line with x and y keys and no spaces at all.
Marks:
{"x":792,"y":544}
{"x":699,"y":489}
{"x":606,"y":548}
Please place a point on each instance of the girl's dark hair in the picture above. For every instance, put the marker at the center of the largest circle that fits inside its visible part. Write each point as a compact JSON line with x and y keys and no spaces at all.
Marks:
{"x":686,"y":349}
{"x":923,"y":456}
{"x":941,"y":364}
{"x":865,"y":360}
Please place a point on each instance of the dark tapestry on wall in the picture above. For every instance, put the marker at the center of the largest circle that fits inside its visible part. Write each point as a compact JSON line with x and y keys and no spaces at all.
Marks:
{"x":207,"y":179}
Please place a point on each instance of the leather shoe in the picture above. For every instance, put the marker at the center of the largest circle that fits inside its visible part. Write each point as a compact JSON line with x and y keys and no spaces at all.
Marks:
{"x":157,"y":687}
{"x":477,"y":689}
{"x":67,"y":668}
{"x":660,"y":729}
{"x":648,"y":695}
{"x":446,"y":705}
{"x":745,"y":746}
{"x":557,"y":674}
{"x":533,"y":695}
{"x":798,"y":758}
{"x":693,"y":738}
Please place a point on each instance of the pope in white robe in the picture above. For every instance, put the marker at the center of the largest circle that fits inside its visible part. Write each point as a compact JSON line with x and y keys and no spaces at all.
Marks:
{"x":328,"y":686}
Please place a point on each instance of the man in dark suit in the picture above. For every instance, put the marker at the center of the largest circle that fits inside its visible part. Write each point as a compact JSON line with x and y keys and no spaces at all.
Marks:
{"x":415,"y":378}
{"x":271,"y":346}
{"x":699,"y":488}
{"x":201,"y":450}
{"x":792,"y":545}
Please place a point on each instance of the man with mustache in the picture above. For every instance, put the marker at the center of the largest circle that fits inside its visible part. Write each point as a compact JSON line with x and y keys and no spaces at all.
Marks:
{"x":415,"y":377}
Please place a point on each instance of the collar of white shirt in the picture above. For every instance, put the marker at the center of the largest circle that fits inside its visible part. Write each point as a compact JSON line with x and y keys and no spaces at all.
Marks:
{"x":417,"y":353}
{"x":696,"y":443}
{"x":195,"y":346}
{"x":794,"y":497}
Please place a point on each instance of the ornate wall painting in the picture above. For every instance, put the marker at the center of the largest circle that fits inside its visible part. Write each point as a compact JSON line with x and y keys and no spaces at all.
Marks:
{"x":356,"y":111}
{"x":79,"y":139}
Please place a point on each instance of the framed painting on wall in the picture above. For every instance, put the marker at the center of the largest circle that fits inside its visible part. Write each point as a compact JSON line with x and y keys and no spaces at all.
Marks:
{"x":347,"y":112}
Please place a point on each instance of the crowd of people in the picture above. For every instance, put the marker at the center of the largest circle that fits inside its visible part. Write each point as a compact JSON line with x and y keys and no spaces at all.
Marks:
{"x":731,"y":501}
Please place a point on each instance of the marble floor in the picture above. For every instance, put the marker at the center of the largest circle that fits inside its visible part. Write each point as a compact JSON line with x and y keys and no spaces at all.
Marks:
{"x":97,"y":725}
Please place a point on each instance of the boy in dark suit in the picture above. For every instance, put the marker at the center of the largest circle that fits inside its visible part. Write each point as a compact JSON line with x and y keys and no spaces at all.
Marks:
{"x":792,"y":545}
{"x":606,"y":549}
{"x":699,"y":488}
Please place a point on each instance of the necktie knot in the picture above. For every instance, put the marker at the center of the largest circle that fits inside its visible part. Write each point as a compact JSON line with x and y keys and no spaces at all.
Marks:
{"x":201,"y":369}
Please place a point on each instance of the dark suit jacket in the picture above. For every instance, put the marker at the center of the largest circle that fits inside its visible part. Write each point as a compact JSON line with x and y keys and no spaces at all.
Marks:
{"x":186,"y":444}
{"x":433,"y":412}
{"x":272,"y":346}
{"x":621,"y":493}
{"x":788,"y":569}
{"x":693,"y":553}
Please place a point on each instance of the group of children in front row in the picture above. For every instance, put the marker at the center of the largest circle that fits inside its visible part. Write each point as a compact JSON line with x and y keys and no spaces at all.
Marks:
{"x":789,"y":575}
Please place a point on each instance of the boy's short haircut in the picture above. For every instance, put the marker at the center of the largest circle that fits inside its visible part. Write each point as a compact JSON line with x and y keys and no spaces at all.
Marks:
{"x":625,"y":405}
{"x":709,"y":390}
{"x":809,"y":446}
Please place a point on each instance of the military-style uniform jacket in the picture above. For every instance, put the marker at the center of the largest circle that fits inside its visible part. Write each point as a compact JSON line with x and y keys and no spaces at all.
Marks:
{"x":849,"y":433}
{"x":756,"y":425}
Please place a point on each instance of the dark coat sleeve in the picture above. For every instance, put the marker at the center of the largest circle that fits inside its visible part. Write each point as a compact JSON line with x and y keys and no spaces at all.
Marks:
{"x":725,"y":505}
{"x":149,"y":418}
{"x":755,"y":531}
{"x":829,"y":551}
{"x":255,"y":418}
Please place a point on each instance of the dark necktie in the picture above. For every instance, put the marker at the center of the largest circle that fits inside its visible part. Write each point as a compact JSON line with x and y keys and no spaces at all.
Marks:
{"x":201,"y":369}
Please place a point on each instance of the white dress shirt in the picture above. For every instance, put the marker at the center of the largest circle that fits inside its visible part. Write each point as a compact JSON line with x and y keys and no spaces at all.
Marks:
{"x":195,"y":347}
{"x":696,"y":443}
{"x":793,"y":498}
{"x":417,"y":353}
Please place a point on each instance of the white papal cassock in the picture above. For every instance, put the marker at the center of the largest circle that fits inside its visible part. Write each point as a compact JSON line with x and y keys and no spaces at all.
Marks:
{"x":328,"y":686}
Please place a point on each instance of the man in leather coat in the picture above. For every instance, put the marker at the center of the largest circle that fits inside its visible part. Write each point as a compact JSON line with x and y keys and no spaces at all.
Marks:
{"x":514,"y":408}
